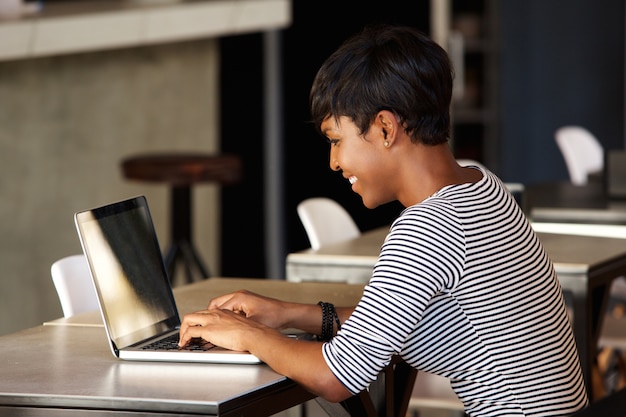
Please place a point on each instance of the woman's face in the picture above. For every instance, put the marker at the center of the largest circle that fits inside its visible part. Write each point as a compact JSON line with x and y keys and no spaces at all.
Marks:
{"x":361,"y":160}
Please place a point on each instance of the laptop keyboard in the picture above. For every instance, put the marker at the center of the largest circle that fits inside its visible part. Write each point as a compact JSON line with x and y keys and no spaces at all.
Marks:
{"x":171,"y":343}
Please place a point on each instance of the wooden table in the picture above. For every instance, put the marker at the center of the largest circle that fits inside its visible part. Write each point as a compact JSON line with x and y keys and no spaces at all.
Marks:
{"x":65,"y":368}
{"x":585,"y":267}
{"x":196,"y":296}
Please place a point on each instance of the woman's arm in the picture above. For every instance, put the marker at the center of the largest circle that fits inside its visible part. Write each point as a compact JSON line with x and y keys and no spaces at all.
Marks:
{"x":249,"y":322}
{"x":275,"y":313}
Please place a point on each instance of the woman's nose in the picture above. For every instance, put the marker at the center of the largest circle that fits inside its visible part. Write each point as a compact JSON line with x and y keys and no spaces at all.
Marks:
{"x":334,"y":164}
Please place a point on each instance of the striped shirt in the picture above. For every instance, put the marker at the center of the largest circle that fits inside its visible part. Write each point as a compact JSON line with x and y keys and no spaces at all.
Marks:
{"x":464,"y":289}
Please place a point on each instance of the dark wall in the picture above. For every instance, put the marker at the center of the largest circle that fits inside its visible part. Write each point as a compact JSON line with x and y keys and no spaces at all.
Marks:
{"x":562,"y":63}
{"x":241,"y":125}
{"x":317,"y":30}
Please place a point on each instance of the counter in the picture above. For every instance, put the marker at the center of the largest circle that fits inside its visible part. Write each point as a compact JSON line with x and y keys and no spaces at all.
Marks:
{"x":63,"y":27}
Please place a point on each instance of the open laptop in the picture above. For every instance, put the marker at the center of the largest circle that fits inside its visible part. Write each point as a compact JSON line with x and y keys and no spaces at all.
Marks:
{"x":134,"y":291}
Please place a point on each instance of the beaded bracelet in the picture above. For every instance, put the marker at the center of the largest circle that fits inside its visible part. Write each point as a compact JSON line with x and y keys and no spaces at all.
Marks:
{"x":329,"y":318}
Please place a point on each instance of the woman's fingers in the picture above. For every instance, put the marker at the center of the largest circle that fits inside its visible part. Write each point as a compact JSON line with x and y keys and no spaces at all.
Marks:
{"x":220,"y":327}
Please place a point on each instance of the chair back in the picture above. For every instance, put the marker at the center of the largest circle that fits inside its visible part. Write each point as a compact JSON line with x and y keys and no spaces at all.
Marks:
{"x":72,"y":280}
{"x":582,"y":152}
{"x":466,"y":162}
{"x":326,"y":221}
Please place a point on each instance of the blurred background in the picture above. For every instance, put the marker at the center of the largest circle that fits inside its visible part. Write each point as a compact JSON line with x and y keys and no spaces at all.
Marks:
{"x":530,"y":68}
{"x":67,"y":121}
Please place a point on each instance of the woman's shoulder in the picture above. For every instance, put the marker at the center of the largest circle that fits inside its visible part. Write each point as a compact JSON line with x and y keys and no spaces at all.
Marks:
{"x":436,"y":214}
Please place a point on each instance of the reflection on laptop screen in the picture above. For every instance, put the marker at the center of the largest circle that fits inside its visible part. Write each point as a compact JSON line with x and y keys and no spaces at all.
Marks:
{"x":126,"y":254}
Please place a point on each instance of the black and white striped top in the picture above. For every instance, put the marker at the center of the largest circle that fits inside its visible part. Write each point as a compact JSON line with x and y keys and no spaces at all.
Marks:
{"x":463,"y":288}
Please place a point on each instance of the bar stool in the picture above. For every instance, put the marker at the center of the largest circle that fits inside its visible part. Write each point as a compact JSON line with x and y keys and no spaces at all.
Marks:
{"x":181,"y":171}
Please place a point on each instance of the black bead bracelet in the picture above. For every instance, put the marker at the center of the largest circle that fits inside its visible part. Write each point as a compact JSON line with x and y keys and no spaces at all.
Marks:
{"x":329,"y":318}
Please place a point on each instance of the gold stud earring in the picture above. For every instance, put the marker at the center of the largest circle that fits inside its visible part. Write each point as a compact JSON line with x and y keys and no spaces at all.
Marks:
{"x":386,"y":144}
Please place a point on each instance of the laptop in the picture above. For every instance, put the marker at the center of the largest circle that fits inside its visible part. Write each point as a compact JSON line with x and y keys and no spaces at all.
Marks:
{"x":134,"y":291}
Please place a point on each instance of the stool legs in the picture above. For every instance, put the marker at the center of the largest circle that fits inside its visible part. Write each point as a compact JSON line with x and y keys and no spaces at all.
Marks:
{"x":181,"y":249}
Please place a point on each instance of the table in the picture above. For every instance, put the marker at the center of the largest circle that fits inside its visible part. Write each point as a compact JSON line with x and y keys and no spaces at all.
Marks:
{"x":585,"y":266}
{"x":64,"y":367}
{"x":196,"y":296}
{"x":70,"y":369}
{"x":565,"y":202}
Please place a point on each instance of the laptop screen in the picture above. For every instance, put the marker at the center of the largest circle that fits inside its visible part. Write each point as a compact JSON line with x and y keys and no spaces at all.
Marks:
{"x":131,"y":280}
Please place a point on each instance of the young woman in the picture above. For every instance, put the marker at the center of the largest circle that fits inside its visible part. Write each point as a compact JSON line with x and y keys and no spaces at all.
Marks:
{"x":462,"y":287}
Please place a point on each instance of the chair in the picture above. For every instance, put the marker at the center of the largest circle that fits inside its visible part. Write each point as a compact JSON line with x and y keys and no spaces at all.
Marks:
{"x":582,"y":151}
{"x":433,"y":392}
{"x":72,"y":280}
{"x":466,"y":162}
{"x":326,"y":221}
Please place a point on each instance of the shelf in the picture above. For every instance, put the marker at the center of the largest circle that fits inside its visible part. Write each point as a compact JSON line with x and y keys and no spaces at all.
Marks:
{"x":64,"y":27}
{"x":475,"y":113}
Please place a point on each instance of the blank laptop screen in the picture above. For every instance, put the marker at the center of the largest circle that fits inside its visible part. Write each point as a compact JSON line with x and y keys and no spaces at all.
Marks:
{"x":136,"y":297}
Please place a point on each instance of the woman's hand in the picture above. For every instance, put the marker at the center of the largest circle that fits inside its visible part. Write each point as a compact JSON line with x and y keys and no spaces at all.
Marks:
{"x":231,"y":319}
{"x":268,"y":311}
{"x":228,"y":329}
{"x":246,"y":321}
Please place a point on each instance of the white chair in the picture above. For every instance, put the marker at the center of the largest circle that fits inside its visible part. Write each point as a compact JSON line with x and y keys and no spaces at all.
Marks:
{"x":326,"y":221}
{"x":72,"y":280}
{"x":582,"y":151}
{"x":466,"y":162}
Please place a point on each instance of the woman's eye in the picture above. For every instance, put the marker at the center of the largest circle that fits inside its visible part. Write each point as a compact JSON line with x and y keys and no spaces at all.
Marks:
{"x":333,"y":141}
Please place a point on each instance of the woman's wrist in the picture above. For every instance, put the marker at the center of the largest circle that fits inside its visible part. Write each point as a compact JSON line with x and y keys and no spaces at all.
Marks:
{"x":305,"y":317}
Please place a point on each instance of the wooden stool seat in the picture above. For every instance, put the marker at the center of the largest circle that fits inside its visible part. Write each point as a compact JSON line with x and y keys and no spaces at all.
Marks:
{"x":181,"y":171}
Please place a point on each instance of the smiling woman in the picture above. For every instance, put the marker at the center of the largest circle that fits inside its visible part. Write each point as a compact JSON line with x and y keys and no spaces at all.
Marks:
{"x":461,"y":259}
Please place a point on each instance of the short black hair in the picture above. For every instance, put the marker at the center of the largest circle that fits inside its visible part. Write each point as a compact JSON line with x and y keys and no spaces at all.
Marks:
{"x":385,"y":67}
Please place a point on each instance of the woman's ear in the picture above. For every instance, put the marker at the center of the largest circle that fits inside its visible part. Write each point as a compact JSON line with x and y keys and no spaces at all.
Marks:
{"x":387,"y":124}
